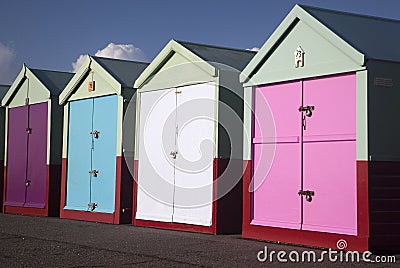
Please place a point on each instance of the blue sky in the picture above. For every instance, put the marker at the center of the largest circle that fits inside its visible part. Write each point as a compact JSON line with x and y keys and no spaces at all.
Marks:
{"x":52,"y":34}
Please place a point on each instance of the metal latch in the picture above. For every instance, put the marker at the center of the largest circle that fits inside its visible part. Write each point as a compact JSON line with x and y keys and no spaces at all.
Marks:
{"x":95,"y":134}
{"x":308,"y":109}
{"x":308,"y":194}
{"x":92,"y":206}
{"x":178,"y":92}
{"x":173,"y":154}
{"x":28,"y":130}
{"x":94,"y":172}
{"x":27,"y":183}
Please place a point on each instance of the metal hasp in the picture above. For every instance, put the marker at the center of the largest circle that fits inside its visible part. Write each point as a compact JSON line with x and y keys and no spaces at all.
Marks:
{"x":308,"y":194}
{"x":94,"y":172}
{"x":307,"y":109}
{"x":95,"y":134}
{"x":173,"y":154}
{"x":92,"y":206}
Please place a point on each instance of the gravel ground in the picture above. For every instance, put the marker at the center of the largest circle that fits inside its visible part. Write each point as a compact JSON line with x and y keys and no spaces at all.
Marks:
{"x":51,"y":242}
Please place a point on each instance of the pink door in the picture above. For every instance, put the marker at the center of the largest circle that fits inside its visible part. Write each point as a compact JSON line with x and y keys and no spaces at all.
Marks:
{"x":329,"y":155}
{"x":314,"y":155}
{"x":276,"y":183}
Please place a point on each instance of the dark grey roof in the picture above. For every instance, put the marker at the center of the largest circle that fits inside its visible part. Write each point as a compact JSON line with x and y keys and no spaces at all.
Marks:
{"x":3,"y":91}
{"x":376,"y":38}
{"x":54,"y":81}
{"x":236,"y":58}
{"x":126,"y":72}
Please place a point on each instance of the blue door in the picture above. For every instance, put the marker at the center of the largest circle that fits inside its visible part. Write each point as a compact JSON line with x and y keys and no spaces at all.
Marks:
{"x":79,"y":154}
{"x":104,"y":153}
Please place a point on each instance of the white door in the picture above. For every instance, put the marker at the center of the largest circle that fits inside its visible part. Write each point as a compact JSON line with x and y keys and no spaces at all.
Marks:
{"x":193,"y":192}
{"x":156,"y":166}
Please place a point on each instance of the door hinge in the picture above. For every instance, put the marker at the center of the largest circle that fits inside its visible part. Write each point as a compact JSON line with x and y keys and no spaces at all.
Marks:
{"x":178,"y":92}
{"x":92,"y":206}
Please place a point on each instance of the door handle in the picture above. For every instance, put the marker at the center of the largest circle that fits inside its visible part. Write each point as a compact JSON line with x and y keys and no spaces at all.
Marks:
{"x":173,"y":154}
{"x":307,"y":193}
{"x":308,"y":109}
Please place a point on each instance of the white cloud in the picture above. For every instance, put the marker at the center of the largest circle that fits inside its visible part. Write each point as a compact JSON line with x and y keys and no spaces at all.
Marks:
{"x":256,"y":49}
{"x":115,"y":51}
{"x":78,"y":63}
{"x":8,"y":68}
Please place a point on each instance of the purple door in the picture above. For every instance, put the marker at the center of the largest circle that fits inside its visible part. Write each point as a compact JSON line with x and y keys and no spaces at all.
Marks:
{"x":275,"y":199}
{"x":329,"y":155}
{"x":17,"y":145}
{"x":37,"y":148}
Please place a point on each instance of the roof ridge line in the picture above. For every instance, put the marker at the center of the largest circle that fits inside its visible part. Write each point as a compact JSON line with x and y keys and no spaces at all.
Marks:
{"x":349,"y":13}
{"x":134,"y":61}
{"x":54,"y":71}
{"x":215,"y":46}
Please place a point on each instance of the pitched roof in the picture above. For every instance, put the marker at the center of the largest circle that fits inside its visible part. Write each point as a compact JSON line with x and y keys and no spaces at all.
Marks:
{"x":54,"y":81}
{"x":3,"y":91}
{"x":125,"y":72}
{"x":376,"y":38}
{"x":236,"y":58}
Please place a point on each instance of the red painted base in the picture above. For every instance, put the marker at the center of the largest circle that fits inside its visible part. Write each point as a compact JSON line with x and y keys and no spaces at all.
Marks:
{"x":309,"y":238}
{"x":51,"y":208}
{"x":176,"y":226}
{"x":43,"y":212}
{"x":89,"y":216}
{"x":1,"y":184}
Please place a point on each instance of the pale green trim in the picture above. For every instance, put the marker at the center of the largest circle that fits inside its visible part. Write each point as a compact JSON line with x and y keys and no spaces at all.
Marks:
{"x":362,"y":115}
{"x":89,"y":64}
{"x":247,"y":118}
{"x":171,"y":48}
{"x":216,"y":118}
{"x":73,"y":83}
{"x":120,"y":117}
{"x":299,"y":13}
{"x":37,"y":97}
{"x":137,"y":126}
{"x":49,"y":113}
{"x":5,"y":136}
{"x":15,"y":85}
{"x":65,"y":131}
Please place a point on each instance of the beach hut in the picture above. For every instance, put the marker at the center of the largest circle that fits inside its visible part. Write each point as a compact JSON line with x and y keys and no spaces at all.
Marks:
{"x":3,"y":91}
{"x":189,"y":139}
{"x":329,"y":80}
{"x":96,"y":182}
{"x":32,"y":164}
